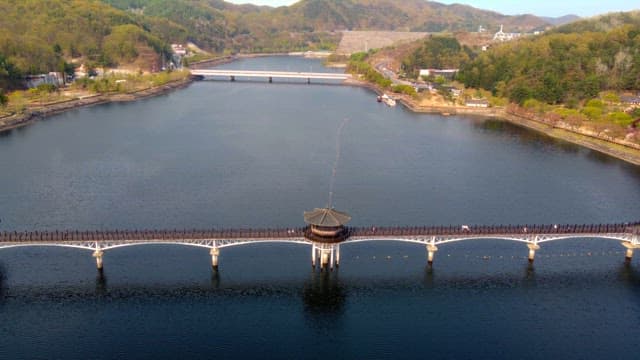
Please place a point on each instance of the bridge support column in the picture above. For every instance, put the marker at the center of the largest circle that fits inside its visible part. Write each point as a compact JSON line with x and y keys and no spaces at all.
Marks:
{"x":431,"y":251}
{"x":215,"y":252}
{"x":308,"y":80}
{"x":314,"y":256}
{"x":270,"y":79}
{"x":233,"y":78}
{"x":629,"y":253}
{"x":98,"y":255}
{"x":337,"y":255}
{"x":327,"y":255}
{"x":532,"y":251}
{"x":324,"y":259}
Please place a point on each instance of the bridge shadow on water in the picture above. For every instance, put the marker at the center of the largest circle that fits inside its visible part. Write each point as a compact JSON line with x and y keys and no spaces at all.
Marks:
{"x":101,"y":284}
{"x":630,"y":275}
{"x":526,"y":279}
{"x":2,"y":282}
{"x":323,"y":294}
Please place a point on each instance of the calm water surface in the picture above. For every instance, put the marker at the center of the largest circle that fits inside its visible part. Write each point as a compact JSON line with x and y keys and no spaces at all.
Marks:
{"x":244,"y":154}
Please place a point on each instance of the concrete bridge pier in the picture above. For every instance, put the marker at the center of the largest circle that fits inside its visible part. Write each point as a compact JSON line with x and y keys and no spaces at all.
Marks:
{"x":232,"y":78}
{"x":215,"y":252}
{"x":431,"y":251}
{"x":308,"y":80}
{"x":270,"y":79}
{"x":98,"y":255}
{"x":327,"y":256}
{"x":532,"y":251}
{"x":629,"y":253}
{"x":314,"y":256}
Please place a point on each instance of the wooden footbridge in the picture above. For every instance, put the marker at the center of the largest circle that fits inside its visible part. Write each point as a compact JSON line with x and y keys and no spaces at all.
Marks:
{"x":232,"y":75}
{"x":325,"y":233}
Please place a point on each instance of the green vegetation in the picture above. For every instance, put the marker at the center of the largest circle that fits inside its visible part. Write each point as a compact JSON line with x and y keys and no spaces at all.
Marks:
{"x":358,"y":65}
{"x":560,"y":67}
{"x":10,"y":76}
{"x":3,"y":98}
{"x":437,"y":52}
{"x":40,"y":36}
{"x":126,"y":83}
{"x":404,"y":89}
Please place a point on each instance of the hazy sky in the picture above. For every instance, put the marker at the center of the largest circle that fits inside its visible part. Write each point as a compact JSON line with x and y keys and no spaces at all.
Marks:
{"x":511,"y":7}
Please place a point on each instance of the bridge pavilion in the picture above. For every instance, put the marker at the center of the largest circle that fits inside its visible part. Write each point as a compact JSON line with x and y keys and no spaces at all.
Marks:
{"x":326,"y":231}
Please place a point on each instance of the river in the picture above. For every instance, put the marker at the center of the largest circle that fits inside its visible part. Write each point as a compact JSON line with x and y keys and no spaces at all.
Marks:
{"x":254,"y":154}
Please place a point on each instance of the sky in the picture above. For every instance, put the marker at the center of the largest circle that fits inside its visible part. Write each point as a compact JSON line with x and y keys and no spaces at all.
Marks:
{"x":554,"y":8}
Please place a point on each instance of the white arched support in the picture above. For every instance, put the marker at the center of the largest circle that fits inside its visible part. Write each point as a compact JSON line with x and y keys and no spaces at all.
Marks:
{"x":630,"y":241}
{"x":328,"y":255}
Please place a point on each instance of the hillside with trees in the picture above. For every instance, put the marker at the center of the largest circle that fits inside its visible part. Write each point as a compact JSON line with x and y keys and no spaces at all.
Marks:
{"x":578,"y":76}
{"x":437,"y":52}
{"x":571,"y":64}
{"x":39,"y":36}
{"x":313,"y":24}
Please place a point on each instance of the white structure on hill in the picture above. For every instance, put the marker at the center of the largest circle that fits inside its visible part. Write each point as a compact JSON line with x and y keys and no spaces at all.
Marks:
{"x":502,"y":36}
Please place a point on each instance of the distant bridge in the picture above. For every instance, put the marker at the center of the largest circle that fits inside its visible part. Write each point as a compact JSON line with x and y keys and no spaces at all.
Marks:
{"x":232,"y":75}
{"x":324,"y":250}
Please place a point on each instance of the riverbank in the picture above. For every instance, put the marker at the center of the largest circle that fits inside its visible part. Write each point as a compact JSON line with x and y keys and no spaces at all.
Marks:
{"x":33,"y":113}
{"x":580,"y":137}
{"x":626,"y":152}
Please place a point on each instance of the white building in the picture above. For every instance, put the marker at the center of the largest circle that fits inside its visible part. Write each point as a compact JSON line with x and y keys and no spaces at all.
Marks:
{"x":503,"y":36}
{"x":446,"y":73}
{"x":53,"y":78}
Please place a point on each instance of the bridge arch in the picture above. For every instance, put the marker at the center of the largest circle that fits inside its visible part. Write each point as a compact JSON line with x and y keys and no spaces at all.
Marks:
{"x":527,"y":240}
{"x":73,"y":246}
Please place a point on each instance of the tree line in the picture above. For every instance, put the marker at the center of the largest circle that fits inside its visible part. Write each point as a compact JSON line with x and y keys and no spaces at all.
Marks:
{"x":569,"y":65}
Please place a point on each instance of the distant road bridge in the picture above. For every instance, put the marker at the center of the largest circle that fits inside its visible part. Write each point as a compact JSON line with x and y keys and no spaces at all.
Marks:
{"x":232,"y":75}
{"x":325,"y":241}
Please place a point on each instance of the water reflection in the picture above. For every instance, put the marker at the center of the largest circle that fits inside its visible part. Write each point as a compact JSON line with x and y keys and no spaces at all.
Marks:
{"x":101,"y":284}
{"x":2,"y":282}
{"x":629,"y":274}
{"x":526,"y":136}
{"x":215,"y":279}
{"x":529,"y":276}
{"x":324,"y":294}
{"x":428,"y":277}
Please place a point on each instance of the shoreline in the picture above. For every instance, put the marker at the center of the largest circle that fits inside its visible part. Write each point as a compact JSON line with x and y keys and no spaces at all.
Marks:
{"x":34,"y":114}
{"x":629,"y":154}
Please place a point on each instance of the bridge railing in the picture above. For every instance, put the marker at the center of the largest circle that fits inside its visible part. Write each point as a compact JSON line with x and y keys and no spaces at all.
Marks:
{"x":285,"y":233}
{"x":453,"y":230}
{"x":142,"y":235}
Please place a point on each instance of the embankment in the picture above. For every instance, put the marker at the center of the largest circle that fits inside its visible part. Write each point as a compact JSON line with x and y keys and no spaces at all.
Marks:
{"x":623,"y":150}
{"x":34,"y":113}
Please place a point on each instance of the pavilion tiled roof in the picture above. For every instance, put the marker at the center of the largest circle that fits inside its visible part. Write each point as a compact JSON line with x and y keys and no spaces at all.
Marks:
{"x":326,"y":217}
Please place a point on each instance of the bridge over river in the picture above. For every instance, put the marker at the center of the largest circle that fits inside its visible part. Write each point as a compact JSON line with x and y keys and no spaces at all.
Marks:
{"x":325,"y":234}
{"x":268,"y":75}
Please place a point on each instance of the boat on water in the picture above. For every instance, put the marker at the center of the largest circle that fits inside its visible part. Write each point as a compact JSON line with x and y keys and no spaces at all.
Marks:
{"x":389,"y":101}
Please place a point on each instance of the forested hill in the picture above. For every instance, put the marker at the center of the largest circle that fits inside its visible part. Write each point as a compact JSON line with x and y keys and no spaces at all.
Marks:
{"x":572,"y":63}
{"x":406,"y":15}
{"x":218,"y":25}
{"x":48,"y":35}
{"x":45,"y":35}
